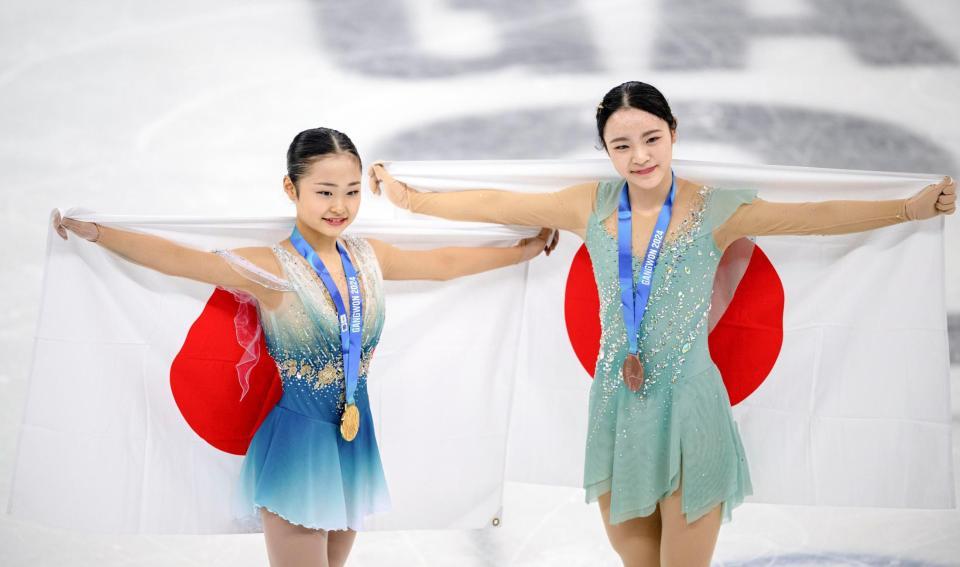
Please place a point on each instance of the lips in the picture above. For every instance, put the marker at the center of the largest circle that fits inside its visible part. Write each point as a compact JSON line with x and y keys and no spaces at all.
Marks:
{"x":643,"y":171}
{"x":335,"y":222}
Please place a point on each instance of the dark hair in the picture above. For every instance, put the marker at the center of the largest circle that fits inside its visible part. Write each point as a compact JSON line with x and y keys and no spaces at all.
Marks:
{"x":315,"y":143}
{"x":633,"y":94}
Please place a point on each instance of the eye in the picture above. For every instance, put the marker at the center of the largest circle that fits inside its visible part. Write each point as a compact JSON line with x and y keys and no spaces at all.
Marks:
{"x":653,"y":139}
{"x":325,"y":193}
{"x":353,"y":193}
{"x":620,"y":147}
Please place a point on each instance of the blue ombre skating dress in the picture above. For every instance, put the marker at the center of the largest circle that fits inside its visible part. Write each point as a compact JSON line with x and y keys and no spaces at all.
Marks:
{"x":298,"y":466}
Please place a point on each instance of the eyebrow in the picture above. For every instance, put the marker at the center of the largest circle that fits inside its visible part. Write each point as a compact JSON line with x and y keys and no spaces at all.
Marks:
{"x":644,"y":135}
{"x":328,"y":184}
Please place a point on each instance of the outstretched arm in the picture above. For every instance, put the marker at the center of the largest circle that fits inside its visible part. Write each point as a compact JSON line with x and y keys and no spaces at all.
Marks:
{"x":166,"y":256}
{"x":453,"y":262}
{"x":763,"y":218}
{"x":567,"y":209}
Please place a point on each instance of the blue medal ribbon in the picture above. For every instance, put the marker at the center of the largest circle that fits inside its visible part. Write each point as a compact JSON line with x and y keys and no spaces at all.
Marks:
{"x":351,"y":325}
{"x":634,"y":299}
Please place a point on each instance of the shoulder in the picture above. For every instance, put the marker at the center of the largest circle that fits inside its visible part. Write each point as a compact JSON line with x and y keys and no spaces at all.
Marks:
{"x":608,"y":186}
{"x":377,"y":247}
{"x":720,"y":196}
{"x":579,"y":197}
{"x":606,"y":196}
{"x":362,"y":245}
{"x":374,"y":243}
{"x":722,"y":203}
{"x":263,"y":257}
{"x":725,"y":211}
{"x":587,"y":189}
{"x":258,"y":265}
{"x":368,"y":251}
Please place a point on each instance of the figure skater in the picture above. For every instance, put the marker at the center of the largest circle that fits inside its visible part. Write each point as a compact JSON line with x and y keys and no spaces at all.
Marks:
{"x":313,"y":471}
{"x":663,"y":454}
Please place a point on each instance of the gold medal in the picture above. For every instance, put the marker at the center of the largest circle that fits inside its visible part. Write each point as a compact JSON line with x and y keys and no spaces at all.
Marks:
{"x":632,"y":372}
{"x":350,"y":422}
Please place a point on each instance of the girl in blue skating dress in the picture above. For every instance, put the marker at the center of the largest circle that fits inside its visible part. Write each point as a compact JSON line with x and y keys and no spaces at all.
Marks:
{"x":313,"y":471}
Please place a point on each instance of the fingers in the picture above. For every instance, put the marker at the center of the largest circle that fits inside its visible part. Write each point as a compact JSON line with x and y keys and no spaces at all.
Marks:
{"x":550,"y":238}
{"x":949,"y":188}
{"x":554,"y":241}
{"x":57,"y":221}
{"x":540,"y":240}
{"x":380,"y":170}
{"x":932,"y":200}
{"x":374,"y":181}
{"x":946,"y":201}
{"x":545,"y":241}
{"x":377,"y":174}
{"x":945,"y":185}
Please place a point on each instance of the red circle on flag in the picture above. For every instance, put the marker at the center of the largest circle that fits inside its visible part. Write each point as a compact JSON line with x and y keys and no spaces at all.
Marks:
{"x":744,"y":343}
{"x":203,"y":379}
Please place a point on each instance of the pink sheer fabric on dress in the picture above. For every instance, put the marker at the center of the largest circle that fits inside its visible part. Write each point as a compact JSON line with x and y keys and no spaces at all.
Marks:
{"x":247,"y":320}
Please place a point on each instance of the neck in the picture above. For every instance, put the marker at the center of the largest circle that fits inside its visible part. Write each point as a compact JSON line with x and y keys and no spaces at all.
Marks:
{"x":650,"y":200}
{"x":321,"y":243}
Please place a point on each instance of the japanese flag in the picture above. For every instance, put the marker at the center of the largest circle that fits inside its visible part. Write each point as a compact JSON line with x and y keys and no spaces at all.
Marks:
{"x":840,"y":382}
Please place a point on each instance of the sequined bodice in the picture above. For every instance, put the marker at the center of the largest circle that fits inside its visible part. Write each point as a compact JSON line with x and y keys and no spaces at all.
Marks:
{"x":672,"y":338}
{"x":303,"y":336}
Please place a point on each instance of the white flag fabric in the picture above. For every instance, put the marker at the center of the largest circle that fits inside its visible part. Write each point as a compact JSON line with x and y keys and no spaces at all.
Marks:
{"x":833,"y":349}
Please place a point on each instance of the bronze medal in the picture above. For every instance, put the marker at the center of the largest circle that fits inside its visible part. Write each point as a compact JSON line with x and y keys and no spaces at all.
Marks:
{"x":632,"y":372}
{"x":350,"y":422}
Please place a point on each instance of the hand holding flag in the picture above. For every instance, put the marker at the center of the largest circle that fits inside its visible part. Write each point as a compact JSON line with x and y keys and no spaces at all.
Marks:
{"x":933,"y":199}
{"x":86,"y":230}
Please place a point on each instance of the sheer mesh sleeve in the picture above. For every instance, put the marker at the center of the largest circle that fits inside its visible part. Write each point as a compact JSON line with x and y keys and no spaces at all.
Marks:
{"x":763,"y":218}
{"x":252,"y":272}
{"x":567,"y":209}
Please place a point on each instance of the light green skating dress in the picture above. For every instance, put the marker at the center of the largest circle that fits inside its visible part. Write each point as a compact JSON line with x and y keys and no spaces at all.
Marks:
{"x":679,"y":422}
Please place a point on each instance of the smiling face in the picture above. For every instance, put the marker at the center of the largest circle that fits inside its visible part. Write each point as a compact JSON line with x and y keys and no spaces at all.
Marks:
{"x":640,"y":145}
{"x":327,"y":194}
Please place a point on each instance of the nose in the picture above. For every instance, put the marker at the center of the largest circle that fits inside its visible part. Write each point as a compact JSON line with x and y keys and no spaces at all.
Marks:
{"x":640,"y":156}
{"x":337,"y":206}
